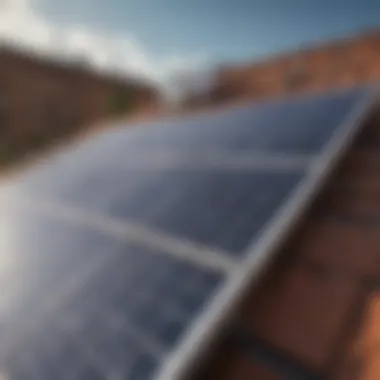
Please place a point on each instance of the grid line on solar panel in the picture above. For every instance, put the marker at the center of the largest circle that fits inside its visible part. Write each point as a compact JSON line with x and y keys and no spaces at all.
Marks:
{"x":215,"y":161}
{"x":128,"y":289}
{"x":55,"y":299}
{"x":110,"y":304}
{"x":53,"y":353}
{"x":190,"y":205}
{"x":212,"y":211}
{"x":292,"y":125}
{"x":215,"y":209}
{"x":259,"y":252}
{"x":171,"y":159}
{"x":133,"y":232}
{"x":136,"y":190}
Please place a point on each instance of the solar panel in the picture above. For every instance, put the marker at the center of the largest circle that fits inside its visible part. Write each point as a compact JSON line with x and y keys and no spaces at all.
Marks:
{"x":223,"y":209}
{"x":121,"y":254}
{"x":289,"y":126}
{"x":94,"y":288}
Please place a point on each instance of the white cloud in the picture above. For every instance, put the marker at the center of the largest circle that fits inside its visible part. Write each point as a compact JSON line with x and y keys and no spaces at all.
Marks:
{"x":19,"y":24}
{"x":22,"y":24}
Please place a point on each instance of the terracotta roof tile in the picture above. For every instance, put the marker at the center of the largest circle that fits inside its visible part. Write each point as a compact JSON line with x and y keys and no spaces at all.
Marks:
{"x":315,"y":305}
{"x":362,"y":358}
{"x":302,"y":313}
{"x":349,"y":249}
{"x":232,"y":365}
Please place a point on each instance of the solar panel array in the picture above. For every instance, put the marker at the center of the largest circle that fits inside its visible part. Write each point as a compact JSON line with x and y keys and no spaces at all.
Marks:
{"x":112,"y":250}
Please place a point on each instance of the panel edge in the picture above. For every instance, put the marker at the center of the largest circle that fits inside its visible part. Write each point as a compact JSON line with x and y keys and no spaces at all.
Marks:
{"x":263,"y":251}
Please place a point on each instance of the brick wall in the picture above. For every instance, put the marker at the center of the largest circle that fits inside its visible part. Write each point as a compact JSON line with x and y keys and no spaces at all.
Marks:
{"x":42,"y":100}
{"x":339,"y":64}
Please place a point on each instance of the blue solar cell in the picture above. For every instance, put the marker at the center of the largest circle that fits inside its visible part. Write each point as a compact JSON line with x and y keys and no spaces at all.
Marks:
{"x":138,"y":283}
{"x":92,"y":189}
{"x":294,"y":125}
{"x":222,"y":209}
{"x":42,"y":257}
{"x":110,"y":320}
{"x":37,"y":357}
{"x":55,"y":353}
{"x":143,"y":368}
{"x":290,"y":126}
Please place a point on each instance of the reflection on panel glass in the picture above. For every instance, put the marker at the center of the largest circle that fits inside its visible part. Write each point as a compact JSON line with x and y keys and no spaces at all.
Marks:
{"x":82,"y":304}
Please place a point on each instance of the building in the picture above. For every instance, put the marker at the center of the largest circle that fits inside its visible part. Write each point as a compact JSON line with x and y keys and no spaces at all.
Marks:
{"x":43,"y":99}
{"x":339,"y":64}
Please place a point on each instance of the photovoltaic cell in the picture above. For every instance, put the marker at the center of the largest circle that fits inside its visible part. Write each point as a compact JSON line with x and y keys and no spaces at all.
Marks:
{"x":221,"y":209}
{"x":88,"y":292}
{"x":39,"y":256}
{"x":56,"y":352}
{"x":159,"y":303}
{"x":83,"y":300}
{"x":289,"y":126}
{"x":225,"y":210}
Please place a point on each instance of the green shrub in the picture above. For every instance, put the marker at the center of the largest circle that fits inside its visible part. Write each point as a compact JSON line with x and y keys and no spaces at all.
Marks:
{"x":121,"y":102}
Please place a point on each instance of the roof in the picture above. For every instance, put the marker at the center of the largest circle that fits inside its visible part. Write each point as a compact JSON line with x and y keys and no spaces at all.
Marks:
{"x":304,"y":50}
{"x":141,"y":242}
{"x":314,"y":313}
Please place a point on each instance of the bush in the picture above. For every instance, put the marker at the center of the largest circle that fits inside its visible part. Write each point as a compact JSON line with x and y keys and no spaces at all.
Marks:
{"x":121,"y":102}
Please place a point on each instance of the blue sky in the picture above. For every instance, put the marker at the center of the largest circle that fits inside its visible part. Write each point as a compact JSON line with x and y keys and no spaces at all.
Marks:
{"x":156,"y":38}
{"x":223,"y":30}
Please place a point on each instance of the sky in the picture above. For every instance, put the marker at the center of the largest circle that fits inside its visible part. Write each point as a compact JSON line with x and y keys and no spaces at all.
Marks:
{"x":159,"y":38}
